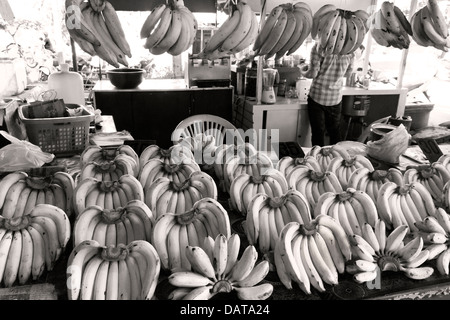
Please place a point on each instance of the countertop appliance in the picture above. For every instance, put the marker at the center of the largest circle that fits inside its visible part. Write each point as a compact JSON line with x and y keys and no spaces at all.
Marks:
{"x":204,"y":73}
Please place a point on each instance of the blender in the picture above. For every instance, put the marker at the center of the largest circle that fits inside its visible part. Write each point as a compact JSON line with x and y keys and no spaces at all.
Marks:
{"x":269,"y":76}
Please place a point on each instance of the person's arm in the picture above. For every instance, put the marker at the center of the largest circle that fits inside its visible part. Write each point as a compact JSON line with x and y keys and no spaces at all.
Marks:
{"x":314,"y":64}
{"x":350,"y":67}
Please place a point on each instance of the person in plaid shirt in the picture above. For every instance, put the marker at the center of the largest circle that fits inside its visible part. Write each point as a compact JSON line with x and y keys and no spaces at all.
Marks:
{"x":325,"y":94}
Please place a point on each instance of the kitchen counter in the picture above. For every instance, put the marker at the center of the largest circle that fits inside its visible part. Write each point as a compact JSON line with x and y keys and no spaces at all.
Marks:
{"x":152,"y":85}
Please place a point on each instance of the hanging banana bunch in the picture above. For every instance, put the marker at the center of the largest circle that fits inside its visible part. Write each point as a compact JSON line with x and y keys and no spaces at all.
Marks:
{"x":95,"y":26}
{"x":429,"y":27}
{"x":169,"y":28}
{"x":339,"y":31}
{"x":236,"y":33}
{"x":390,"y":28}
{"x":284,"y":30}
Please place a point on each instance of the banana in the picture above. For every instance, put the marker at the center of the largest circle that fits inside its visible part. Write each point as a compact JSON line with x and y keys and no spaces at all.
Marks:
{"x":418,"y":273}
{"x":310,"y":267}
{"x":97,"y":5}
{"x":80,"y":193}
{"x":333,"y":35}
{"x":418,"y":34}
{"x":223,"y":32}
{"x":341,"y":36}
{"x":135,"y":278}
{"x":267,"y":27}
{"x":418,"y":202}
{"x":395,"y":238}
{"x":220,"y":253}
{"x":188,"y":279}
{"x":338,"y":232}
{"x":199,"y":293}
{"x":258,"y":274}
{"x":437,"y":17}
{"x":421,"y":258}
{"x":115,"y":28}
{"x":250,"y":37}
{"x":162,"y":226}
{"x":12,"y":199}
{"x":172,"y":35}
{"x":243,"y":28}
{"x":286,"y":35}
{"x":233,"y":245}
{"x":100,"y":27}
{"x":65,"y":180}
{"x":124,"y":281}
{"x":378,"y":36}
{"x":360,"y":25}
{"x":280,"y":267}
{"x":327,"y":274}
{"x":13,"y":260}
{"x":333,"y":248}
{"x":136,"y":187}
{"x":435,"y":250}
{"x":26,"y":258}
{"x":275,"y":34}
{"x":39,"y":248}
{"x":260,"y":292}
{"x":51,"y":230}
{"x":426,"y":197}
{"x":74,"y":20}
{"x":428,"y":27}
{"x":412,"y":249}
{"x":404,"y":23}
{"x":325,"y":30}
{"x":444,"y":219}
{"x":193,"y":25}
{"x":318,"y":16}
{"x":365,"y":276}
{"x":244,"y":265}
{"x":200,"y":262}
{"x":60,"y":198}
{"x":392,"y":22}
{"x":101,"y":281}
{"x":85,"y":45}
{"x":369,"y":206}
{"x":59,"y":217}
{"x":5,"y":246}
{"x":151,"y":21}
{"x":443,"y":261}
{"x":160,"y":30}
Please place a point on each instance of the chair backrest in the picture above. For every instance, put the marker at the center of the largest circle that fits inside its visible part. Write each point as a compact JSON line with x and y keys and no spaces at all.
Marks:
{"x":208,"y":124}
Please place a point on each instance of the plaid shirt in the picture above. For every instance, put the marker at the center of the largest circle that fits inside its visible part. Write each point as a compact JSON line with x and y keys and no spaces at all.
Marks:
{"x":326,"y":87}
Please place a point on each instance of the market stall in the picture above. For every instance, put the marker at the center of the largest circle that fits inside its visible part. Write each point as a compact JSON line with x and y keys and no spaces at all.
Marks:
{"x":115,"y":208}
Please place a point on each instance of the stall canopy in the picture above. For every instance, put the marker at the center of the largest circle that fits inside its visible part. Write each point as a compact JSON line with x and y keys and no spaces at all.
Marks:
{"x":148,"y":5}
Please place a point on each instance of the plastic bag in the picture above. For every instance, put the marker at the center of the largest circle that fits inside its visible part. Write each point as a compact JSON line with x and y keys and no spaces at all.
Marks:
{"x":22,"y":154}
{"x":391,"y":146}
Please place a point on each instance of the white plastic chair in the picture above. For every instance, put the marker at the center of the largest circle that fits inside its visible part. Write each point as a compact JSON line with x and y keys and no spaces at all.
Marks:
{"x":208,"y":124}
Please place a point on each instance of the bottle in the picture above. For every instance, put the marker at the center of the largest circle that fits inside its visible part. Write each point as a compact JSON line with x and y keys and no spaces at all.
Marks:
{"x":67,"y":84}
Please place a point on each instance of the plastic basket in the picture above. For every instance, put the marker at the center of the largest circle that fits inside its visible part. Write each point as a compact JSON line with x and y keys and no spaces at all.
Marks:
{"x":62,"y":136}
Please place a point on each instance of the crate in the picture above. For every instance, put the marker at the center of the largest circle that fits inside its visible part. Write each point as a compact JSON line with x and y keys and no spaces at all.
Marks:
{"x":62,"y":136}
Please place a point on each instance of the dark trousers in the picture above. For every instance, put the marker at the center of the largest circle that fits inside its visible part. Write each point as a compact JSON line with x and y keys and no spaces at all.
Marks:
{"x":324,"y":119}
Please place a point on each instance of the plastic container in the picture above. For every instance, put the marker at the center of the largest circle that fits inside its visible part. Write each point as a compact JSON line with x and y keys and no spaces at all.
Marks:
{"x":419,"y":113}
{"x":14,"y":77}
{"x":68,"y":85}
{"x":302,"y":86}
{"x":62,"y":136}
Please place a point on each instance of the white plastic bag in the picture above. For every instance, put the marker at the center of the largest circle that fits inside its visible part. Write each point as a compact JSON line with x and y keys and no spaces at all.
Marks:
{"x":22,"y":154}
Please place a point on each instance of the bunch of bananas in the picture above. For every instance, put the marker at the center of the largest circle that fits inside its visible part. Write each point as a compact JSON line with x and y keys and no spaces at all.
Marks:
{"x":312,"y":254}
{"x":338,"y":31}
{"x":267,"y":215}
{"x":284,"y":30}
{"x":21,"y":192}
{"x":405,"y":204}
{"x":105,"y":154}
{"x":371,"y":181}
{"x":445,"y":160}
{"x":203,"y":146}
{"x":351,"y":208}
{"x":223,"y":153}
{"x":244,"y":187}
{"x":235,"y":34}
{"x":133,"y":221}
{"x":435,"y":233}
{"x":122,"y":272}
{"x":95,"y":26}
{"x":169,"y":28}
{"x":107,"y":194}
{"x":174,"y":154}
{"x":173,"y":232}
{"x":156,"y":168}
{"x":312,"y":184}
{"x":390,"y":27}
{"x":344,"y":167}
{"x":445,"y":201}
{"x":433,"y":176}
{"x":109,"y":170}
{"x":254,"y":164}
{"x":376,"y":250}
{"x":165,"y":195}
{"x":429,"y":27}
{"x":326,"y":153}
{"x":215,"y":267}
{"x":287,"y":163}
{"x":32,"y":243}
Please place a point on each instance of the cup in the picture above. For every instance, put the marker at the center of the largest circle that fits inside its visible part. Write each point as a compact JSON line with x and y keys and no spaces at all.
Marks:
{"x":291,"y":93}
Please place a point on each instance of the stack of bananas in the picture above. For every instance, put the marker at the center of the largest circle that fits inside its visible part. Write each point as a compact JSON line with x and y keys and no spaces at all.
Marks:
{"x":378,"y":250}
{"x":339,"y":31}
{"x":173,"y":232}
{"x":95,"y":26}
{"x":169,"y":28}
{"x":284,"y":30}
{"x":430,"y":28}
{"x":122,"y":272}
{"x":235,"y":34}
{"x":389,"y":27}
{"x":215,"y":268}
{"x":312,"y":254}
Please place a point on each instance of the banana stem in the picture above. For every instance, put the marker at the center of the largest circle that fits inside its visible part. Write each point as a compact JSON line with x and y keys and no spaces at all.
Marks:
{"x":222,"y":286}
{"x":37,"y":183}
{"x":115,"y":253}
{"x":378,"y":175}
{"x":112,"y":216}
{"x":16,"y":224}
{"x":186,"y":217}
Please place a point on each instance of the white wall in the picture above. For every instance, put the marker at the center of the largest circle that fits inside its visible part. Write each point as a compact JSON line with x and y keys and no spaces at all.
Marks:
{"x":314,"y":4}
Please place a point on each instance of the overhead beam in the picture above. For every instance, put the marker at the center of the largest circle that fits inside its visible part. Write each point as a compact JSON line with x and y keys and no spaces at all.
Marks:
{"x":205,"y":6}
